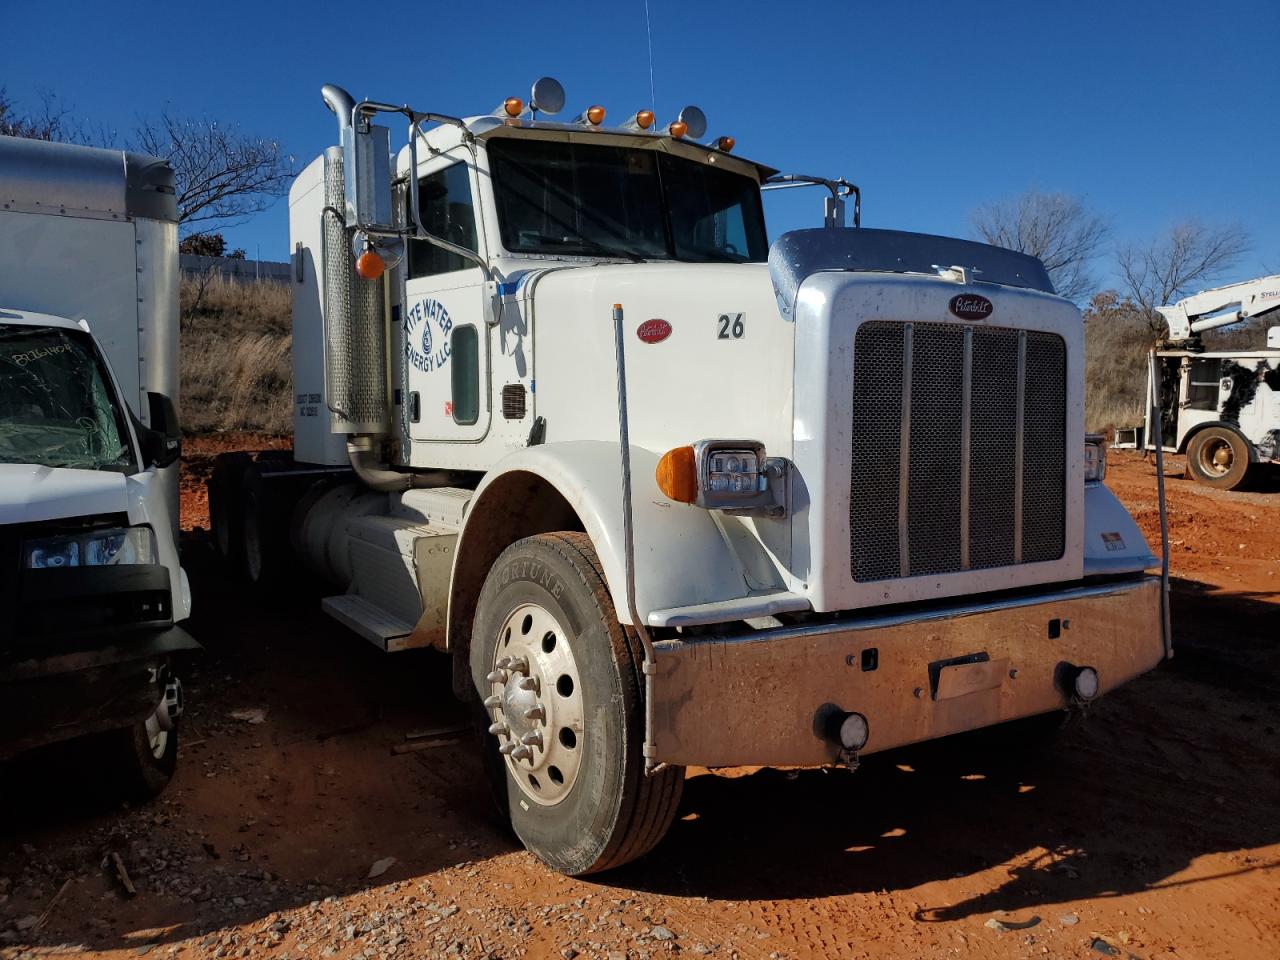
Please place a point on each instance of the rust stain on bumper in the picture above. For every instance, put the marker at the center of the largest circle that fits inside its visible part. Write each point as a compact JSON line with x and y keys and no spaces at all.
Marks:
{"x":752,"y":698}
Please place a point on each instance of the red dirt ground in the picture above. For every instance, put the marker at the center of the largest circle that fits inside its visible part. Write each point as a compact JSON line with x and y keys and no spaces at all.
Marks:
{"x":1151,"y":830}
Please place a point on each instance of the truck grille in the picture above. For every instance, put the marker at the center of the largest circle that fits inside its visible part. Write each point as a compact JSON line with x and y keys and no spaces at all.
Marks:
{"x":959,"y":452}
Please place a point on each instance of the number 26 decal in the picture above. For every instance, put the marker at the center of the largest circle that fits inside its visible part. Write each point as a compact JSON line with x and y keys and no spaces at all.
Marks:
{"x":732,"y":326}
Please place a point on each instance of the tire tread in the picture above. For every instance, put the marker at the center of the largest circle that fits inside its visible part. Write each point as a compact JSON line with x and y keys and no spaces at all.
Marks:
{"x":655,"y":798}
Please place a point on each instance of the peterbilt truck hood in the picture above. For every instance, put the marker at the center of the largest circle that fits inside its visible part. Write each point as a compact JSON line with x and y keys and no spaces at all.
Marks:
{"x":30,"y":492}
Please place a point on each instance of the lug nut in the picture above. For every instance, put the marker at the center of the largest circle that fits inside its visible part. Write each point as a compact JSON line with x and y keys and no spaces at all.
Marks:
{"x":536,"y":712}
{"x":528,"y":683}
{"x":504,"y":663}
{"x":493,"y":702}
{"x":509,"y":748}
{"x":518,"y":665}
{"x":497,"y":676}
{"x":532,"y":739}
{"x":521,"y":752}
{"x":498,"y":729}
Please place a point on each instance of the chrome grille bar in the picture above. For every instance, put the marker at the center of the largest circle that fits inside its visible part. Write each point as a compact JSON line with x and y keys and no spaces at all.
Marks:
{"x":966,"y":410}
{"x":904,"y":456}
{"x":1019,"y":445}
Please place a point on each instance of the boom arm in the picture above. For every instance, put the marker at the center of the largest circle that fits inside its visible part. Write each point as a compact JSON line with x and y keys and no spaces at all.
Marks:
{"x":1222,"y":306}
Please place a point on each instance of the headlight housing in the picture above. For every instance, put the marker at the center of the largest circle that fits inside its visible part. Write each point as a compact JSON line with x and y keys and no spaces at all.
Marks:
{"x":114,"y":546}
{"x":734,"y":476}
{"x":1095,"y":458}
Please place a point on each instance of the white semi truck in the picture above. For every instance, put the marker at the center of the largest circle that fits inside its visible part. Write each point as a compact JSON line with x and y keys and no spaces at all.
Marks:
{"x":92,"y":587}
{"x":670,"y":495}
{"x":1219,"y":407}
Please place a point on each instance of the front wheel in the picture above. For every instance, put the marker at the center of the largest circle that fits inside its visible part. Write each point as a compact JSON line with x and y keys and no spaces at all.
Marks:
{"x":564,"y":709}
{"x":141,"y":759}
{"x":1219,"y":457}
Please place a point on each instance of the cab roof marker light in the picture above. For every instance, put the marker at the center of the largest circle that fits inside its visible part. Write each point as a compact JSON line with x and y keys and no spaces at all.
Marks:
{"x":724,"y":144}
{"x":511,"y":107}
{"x":677,"y":128}
{"x":639,"y":121}
{"x":593,"y":116}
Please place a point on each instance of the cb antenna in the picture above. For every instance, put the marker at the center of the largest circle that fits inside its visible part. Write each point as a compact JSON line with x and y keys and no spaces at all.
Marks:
{"x":653,"y":100}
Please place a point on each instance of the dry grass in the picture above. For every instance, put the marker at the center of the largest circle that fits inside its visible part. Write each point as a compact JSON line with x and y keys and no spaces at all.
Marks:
{"x":236,"y":363}
{"x":1115,"y":374}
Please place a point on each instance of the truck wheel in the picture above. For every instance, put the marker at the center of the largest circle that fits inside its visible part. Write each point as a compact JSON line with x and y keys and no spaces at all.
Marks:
{"x":565,"y":700}
{"x":265,"y":512}
{"x":224,"y":506}
{"x":141,"y":759}
{"x":1219,"y":457}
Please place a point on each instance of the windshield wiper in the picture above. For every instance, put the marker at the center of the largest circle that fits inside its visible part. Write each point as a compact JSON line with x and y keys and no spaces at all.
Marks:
{"x":588,"y":245}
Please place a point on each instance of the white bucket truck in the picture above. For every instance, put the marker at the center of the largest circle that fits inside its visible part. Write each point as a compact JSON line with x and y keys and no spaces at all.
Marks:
{"x":1219,"y":407}
{"x":92,"y":589}
{"x":667,"y":494}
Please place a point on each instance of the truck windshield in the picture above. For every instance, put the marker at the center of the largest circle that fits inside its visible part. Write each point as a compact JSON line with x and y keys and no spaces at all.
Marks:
{"x":57,"y":405}
{"x":556,"y":197}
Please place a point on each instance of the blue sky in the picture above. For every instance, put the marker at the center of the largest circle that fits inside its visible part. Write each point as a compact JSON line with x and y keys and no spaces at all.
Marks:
{"x":1153,"y":111}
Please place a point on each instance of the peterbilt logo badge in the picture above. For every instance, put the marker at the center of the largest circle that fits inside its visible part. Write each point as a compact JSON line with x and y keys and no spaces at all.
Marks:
{"x":653,"y":331}
{"x":970,"y":306}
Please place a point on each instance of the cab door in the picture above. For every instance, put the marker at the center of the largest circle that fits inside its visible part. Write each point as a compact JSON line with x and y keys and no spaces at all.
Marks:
{"x":445,"y":338}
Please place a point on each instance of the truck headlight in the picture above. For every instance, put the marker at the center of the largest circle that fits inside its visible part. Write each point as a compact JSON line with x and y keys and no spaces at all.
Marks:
{"x":730,"y":475}
{"x":1095,"y":458}
{"x":118,"y":546}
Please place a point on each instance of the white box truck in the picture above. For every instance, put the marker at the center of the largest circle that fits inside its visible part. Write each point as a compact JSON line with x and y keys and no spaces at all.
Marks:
{"x":670,"y":495}
{"x":92,"y":586}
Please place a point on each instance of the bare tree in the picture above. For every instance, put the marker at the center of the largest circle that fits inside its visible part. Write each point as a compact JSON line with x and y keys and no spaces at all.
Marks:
{"x":50,"y":123}
{"x":1190,"y":257}
{"x":223,"y":175}
{"x":1056,"y":227}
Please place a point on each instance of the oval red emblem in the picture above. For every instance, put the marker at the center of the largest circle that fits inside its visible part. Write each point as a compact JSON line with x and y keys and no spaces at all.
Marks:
{"x":970,"y":306}
{"x":653,"y":331}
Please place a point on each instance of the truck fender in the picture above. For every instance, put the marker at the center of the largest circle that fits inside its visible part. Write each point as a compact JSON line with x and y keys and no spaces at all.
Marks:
{"x":1113,"y":543}
{"x":682,"y":555}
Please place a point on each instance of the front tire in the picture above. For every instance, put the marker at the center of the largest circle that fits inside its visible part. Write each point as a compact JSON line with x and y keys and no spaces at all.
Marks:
{"x":141,"y":759}
{"x":1219,"y":457}
{"x":565,"y":703}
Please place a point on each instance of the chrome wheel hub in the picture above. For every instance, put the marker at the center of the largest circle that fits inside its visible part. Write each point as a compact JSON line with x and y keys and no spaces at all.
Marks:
{"x":1217,"y":457}
{"x":164,"y":719}
{"x":535,"y":704}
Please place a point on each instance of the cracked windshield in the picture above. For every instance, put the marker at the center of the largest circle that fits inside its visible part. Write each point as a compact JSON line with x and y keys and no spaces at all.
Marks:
{"x":57,"y":408}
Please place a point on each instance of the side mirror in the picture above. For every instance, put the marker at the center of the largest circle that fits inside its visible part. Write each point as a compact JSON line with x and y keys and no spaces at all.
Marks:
{"x":162,"y":441}
{"x":366,"y":162}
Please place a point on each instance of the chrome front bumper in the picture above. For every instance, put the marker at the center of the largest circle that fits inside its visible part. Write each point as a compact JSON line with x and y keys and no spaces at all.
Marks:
{"x":760,"y":698}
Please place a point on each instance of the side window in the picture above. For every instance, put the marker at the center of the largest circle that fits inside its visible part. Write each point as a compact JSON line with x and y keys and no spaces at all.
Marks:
{"x":1202,"y":391}
{"x":465,"y":376}
{"x":444,"y":200}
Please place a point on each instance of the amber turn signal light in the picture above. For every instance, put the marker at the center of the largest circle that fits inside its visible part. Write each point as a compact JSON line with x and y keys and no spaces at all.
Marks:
{"x":678,"y":128}
{"x":725,"y":144}
{"x":513,"y":106}
{"x":677,"y":475}
{"x":369,"y":265}
{"x":644,"y":119}
{"x":595,"y":115}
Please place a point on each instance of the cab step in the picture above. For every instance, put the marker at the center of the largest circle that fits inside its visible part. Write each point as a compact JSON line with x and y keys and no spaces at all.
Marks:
{"x":380,"y":628}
